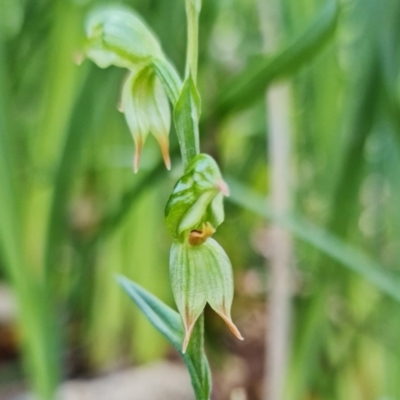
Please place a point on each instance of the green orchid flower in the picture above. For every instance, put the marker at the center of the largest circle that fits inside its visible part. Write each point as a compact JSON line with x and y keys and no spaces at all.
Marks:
{"x":199,"y":275}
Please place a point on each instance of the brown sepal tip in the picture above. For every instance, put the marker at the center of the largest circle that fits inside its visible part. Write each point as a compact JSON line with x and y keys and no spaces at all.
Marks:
{"x":136,"y":158}
{"x":78,"y":57}
{"x":232,"y":327}
{"x":164,"y":146}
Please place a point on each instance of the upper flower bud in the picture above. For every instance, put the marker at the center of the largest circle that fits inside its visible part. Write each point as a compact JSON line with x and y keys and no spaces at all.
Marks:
{"x":195,"y":208}
{"x":146,"y":108}
{"x":118,"y":36}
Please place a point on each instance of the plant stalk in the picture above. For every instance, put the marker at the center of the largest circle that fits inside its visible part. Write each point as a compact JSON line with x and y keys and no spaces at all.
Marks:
{"x":193,"y":8}
{"x":189,"y":149}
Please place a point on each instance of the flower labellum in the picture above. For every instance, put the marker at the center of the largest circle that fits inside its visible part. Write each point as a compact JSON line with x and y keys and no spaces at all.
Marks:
{"x":146,"y":108}
{"x":199,"y":275}
{"x":199,"y":236}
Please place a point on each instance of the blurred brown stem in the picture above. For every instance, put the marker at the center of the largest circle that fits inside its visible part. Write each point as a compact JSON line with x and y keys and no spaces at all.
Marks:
{"x":279,"y":133}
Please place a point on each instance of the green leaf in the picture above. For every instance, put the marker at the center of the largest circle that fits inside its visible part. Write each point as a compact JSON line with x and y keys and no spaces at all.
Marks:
{"x":82,"y":116}
{"x":35,"y":314}
{"x":116,"y":216}
{"x":168,"y":323}
{"x":250,"y":84}
{"x":321,"y":239}
{"x":186,"y":117}
{"x":366,"y":105}
{"x":116,"y":35}
{"x":11,"y":18}
{"x":164,"y":318}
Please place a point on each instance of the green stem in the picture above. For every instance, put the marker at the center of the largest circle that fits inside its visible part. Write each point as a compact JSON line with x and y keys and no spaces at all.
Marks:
{"x":193,"y":8}
{"x":201,"y":368}
{"x":189,"y":143}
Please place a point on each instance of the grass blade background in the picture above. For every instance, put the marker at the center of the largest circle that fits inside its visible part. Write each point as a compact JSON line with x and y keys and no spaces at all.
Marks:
{"x":321,"y":239}
{"x":251,"y":83}
{"x":35,"y":319}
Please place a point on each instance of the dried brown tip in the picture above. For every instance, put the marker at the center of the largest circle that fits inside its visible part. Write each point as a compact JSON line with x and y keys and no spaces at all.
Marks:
{"x":167,"y":160}
{"x":223,"y":187}
{"x":136,"y":157}
{"x":164,"y":145}
{"x":232,"y":327}
{"x":78,"y":57}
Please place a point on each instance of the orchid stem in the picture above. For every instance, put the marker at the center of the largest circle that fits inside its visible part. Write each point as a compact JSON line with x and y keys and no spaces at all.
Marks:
{"x":193,"y":8}
{"x":190,"y":148}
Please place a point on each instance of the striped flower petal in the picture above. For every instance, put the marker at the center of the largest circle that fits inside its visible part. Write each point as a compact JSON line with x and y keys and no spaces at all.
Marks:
{"x":145,"y":105}
{"x":197,"y":199}
{"x":199,"y":275}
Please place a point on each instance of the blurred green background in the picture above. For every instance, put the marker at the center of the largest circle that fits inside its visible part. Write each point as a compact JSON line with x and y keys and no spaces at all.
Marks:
{"x":73,"y":214}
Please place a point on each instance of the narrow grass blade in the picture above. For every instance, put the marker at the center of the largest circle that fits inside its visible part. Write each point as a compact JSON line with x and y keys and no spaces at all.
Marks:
{"x":38,"y":337}
{"x":11,"y":18}
{"x":88,"y":111}
{"x":329,"y":244}
{"x":110,"y":222}
{"x":250,"y":84}
{"x":362,"y":123}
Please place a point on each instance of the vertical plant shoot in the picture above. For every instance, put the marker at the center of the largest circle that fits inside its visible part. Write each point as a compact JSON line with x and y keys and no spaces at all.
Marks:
{"x":200,"y":270}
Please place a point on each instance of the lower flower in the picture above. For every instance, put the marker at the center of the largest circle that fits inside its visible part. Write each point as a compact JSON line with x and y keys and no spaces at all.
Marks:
{"x":199,"y":275}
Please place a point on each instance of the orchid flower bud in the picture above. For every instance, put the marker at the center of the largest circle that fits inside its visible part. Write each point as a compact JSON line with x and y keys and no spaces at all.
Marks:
{"x":118,"y":36}
{"x":199,"y":275}
{"x":195,"y":208}
{"x":146,"y":109}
